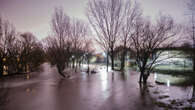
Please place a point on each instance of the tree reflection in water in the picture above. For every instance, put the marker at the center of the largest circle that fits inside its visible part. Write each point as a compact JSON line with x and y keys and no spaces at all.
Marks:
{"x":143,"y":89}
{"x":193,"y":92}
{"x":123,"y":76}
{"x":145,"y":96}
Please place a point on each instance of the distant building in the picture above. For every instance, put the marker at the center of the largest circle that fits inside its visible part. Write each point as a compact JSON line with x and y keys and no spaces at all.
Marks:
{"x":129,"y":58}
{"x":170,"y":58}
{"x":175,"y":58}
{"x":100,"y":58}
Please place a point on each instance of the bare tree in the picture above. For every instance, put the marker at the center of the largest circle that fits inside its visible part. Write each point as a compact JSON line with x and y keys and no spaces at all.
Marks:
{"x":7,"y":37}
{"x":106,"y":17}
{"x":16,"y":50}
{"x":79,"y":32}
{"x":37,"y":57}
{"x":132,"y":12}
{"x":56,"y":54}
{"x":27,"y":57}
{"x":57,"y":45}
{"x":66,"y":44}
{"x":147,"y":39}
{"x":191,"y":30}
{"x":191,"y":34}
{"x":88,"y":51}
{"x":28,"y":44}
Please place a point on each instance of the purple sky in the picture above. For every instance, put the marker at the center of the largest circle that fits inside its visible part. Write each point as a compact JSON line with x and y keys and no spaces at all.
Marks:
{"x":35,"y":15}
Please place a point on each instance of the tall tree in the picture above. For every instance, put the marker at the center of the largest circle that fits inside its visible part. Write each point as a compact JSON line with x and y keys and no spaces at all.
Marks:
{"x":88,"y":51}
{"x":191,"y":33}
{"x":191,"y":30}
{"x":147,"y":39}
{"x":28,"y":48}
{"x":7,"y":37}
{"x":79,"y":32}
{"x":57,"y":44}
{"x":106,"y":17}
{"x":67,"y":42}
{"x":29,"y":42}
{"x":132,"y":12}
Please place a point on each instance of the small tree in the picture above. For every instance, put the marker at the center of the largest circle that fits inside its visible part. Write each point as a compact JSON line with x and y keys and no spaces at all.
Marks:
{"x":7,"y":41}
{"x":37,"y":57}
{"x":29,"y":43}
{"x":147,"y":39}
{"x":56,"y":54}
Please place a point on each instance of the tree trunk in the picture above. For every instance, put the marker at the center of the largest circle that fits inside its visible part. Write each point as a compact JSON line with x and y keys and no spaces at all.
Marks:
{"x":193,"y":92}
{"x":88,"y":66}
{"x":141,"y":77}
{"x":19,"y":67}
{"x":1,"y":67}
{"x":112,"y":63}
{"x":1,"y":70}
{"x":59,"y":67}
{"x":194,"y":63}
{"x":145,"y":78}
{"x":123,"y":60}
{"x":193,"y":53}
{"x":79,"y":64}
{"x":73,"y":64}
{"x":107,"y":62}
{"x":112,"y":60}
{"x":122,"y":64}
{"x":76,"y":65}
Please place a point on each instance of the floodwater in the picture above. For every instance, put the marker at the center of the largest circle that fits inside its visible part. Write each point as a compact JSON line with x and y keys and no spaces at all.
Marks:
{"x":101,"y":91}
{"x":174,"y":85}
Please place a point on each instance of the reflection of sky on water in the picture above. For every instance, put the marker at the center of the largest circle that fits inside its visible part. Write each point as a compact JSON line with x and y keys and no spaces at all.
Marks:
{"x":168,"y":83}
{"x":155,"y":76}
{"x":104,"y":79}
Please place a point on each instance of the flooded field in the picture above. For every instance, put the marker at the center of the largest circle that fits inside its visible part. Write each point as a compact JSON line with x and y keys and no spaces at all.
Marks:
{"x":98,"y":91}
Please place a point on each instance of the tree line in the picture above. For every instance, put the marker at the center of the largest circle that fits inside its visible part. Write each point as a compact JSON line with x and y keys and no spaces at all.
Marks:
{"x":117,"y":23}
{"x":70,"y":44}
{"x":121,"y":23}
{"x":19,"y":52}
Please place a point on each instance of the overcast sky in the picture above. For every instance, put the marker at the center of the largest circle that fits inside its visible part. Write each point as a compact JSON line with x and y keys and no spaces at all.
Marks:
{"x":35,"y":15}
